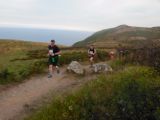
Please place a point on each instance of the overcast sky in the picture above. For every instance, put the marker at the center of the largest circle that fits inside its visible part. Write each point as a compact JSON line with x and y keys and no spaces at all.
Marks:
{"x":90,"y":15}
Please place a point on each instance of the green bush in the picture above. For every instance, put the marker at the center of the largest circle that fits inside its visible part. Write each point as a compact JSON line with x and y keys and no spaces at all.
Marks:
{"x":102,"y":55}
{"x":148,"y":55}
{"x":10,"y":75}
{"x":117,"y":64}
{"x":38,"y":66}
{"x":6,"y":76}
{"x":132,"y":94}
{"x":135,"y":95}
{"x":66,"y":58}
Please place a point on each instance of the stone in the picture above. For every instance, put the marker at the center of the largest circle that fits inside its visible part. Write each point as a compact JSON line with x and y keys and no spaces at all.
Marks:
{"x":75,"y":67}
{"x":101,"y":68}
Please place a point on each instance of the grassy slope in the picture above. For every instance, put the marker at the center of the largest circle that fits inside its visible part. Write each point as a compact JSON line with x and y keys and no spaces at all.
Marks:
{"x":121,"y":34}
{"x":11,"y":71}
{"x":20,"y":59}
{"x":14,"y":45}
{"x":131,"y":93}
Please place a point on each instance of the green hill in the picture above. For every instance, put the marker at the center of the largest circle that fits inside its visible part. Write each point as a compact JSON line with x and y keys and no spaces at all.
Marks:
{"x":123,"y":34}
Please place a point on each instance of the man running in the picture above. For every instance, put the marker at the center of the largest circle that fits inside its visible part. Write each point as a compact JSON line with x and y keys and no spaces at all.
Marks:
{"x":53,"y":54}
{"x":91,"y":54}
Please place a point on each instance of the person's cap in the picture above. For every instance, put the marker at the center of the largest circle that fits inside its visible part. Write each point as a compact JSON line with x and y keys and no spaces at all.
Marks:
{"x":52,"y":40}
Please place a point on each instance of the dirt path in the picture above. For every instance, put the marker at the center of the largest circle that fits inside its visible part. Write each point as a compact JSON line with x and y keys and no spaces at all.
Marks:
{"x":14,"y":100}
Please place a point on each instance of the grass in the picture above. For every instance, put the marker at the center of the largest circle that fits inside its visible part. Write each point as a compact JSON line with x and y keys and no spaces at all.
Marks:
{"x":16,"y":71}
{"x":7,"y":46}
{"x":21,"y":59}
{"x":110,"y":38}
{"x":82,"y":56}
{"x":129,"y":94}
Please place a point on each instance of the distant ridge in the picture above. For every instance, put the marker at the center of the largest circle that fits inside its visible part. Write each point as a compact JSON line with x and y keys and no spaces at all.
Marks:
{"x":123,"y":34}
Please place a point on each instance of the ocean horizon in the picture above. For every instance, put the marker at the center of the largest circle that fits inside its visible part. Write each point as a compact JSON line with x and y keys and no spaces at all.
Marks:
{"x":63,"y":37}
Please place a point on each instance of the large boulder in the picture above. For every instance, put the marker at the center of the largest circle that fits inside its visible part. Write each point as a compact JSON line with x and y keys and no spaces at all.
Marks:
{"x":75,"y":67}
{"x":101,"y":68}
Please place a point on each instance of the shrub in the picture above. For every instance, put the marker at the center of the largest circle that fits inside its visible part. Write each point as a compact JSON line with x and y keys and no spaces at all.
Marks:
{"x":117,"y":64}
{"x":66,"y":58}
{"x":38,"y":66}
{"x":144,"y":56}
{"x":132,"y":94}
{"x":81,"y":56}
{"x":6,"y":76}
{"x":21,"y":72}
{"x":135,"y":95}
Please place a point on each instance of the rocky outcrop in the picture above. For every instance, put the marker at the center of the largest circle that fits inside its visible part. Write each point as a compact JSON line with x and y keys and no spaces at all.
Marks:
{"x":101,"y":68}
{"x":75,"y":67}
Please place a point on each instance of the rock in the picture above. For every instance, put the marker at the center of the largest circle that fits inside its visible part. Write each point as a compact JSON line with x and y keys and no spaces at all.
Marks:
{"x":76,"y":68}
{"x":101,"y":68}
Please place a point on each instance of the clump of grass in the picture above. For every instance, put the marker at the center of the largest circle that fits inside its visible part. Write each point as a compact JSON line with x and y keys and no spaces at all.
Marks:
{"x":20,"y":71}
{"x":67,"y":57}
{"x":117,"y":64}
{"x":14,"y":63}
{"x":148,"y":55}
{"x":132,"y":93}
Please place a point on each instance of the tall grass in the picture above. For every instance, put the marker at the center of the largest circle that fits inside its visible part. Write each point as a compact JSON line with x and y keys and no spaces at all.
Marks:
{"x":66,"y":57}
{"x":82,"y":56}
{"x":21,"y":71}
{"x":131,"y":94}
{"x":12,"y":67}
{"x":149,"y":56}
{"x":19,"y":64}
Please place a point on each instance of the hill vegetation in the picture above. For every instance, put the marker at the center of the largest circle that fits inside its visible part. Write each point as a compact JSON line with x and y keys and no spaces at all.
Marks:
{"x":15,"y":71}
{"x":123,"y":34}
{"x":21,"y":59}
{"x":131,"y":93}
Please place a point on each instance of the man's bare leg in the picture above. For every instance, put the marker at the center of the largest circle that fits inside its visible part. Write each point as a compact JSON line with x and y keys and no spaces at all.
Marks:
{"x":50,"y":71}
{"x":53,"y":68}
{"x":57,"y":68}
{"x":91,"y":61}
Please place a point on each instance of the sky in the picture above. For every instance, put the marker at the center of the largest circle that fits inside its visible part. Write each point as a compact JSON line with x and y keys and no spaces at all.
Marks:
{"x":85,"y":15}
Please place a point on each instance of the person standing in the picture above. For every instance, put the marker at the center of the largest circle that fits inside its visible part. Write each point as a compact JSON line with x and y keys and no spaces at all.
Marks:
{"x":91,"y":54}
{"x":53,"y":53}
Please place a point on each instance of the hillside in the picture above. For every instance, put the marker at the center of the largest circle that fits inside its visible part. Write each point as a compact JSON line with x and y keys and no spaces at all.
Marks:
{"x":21,"y":59}
{"x":123,"y":34}
{"x":14,"y":62}
{"x":7,"y":45}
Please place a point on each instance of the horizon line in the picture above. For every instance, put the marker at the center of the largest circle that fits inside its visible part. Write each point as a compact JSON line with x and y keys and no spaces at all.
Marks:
{"x":41,"y":26}
{"x":56,"y":27}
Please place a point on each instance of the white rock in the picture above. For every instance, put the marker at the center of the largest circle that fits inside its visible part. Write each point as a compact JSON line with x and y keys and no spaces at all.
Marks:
{"x":75,"y":67}
{"x":100,"y":68}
